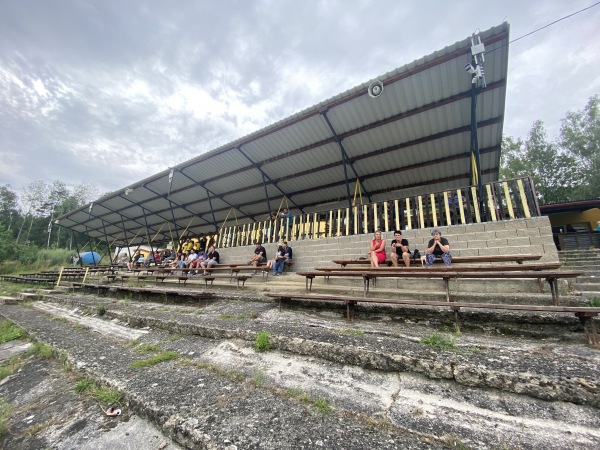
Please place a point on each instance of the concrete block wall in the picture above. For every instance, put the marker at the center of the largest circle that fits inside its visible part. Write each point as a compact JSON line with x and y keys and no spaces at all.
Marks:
{"x":521,"y":236}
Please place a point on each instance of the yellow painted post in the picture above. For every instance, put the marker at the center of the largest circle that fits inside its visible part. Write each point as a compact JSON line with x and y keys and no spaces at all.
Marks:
{"x":355,"y":210}
{"x":475,"y":204}
{"x":523,"y":199}
{"x":87,"y":271}
{"x":59,"y":276}
{"x":433,"y":209}
{"x":339,"y":223}
{"x":420,"y":203}
{"x":409,"y":214}
{"x":397,"y":210}
{"x":376,"y":224}
{"x":509,"y":205}
{"x":330,"y":223}
{"x":316,"y":227}
{"x":365,"y":220}
{"x":491,"y":205}
{"x":461,"y":206}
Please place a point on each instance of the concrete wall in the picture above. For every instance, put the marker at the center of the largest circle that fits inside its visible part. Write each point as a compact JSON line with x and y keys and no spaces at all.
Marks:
{"x":522,"y":236}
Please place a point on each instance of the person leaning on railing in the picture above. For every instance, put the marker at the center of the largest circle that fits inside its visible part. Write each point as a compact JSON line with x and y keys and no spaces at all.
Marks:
{"x":438,"y":247}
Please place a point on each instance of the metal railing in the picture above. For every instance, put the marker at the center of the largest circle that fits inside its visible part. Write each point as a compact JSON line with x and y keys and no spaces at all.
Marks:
{"x":499,"y":200}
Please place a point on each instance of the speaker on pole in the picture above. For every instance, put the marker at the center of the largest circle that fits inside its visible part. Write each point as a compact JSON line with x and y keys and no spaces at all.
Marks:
{"x":375,"y":88}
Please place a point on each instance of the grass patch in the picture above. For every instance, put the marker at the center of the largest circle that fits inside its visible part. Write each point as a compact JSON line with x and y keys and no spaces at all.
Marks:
{"x":174,"y":337}
{"x":240,"y":316}
{"x":229,"y":374}
{"x":9,"y":331}
{"x":42,"y":350}
{"x":153,"y":360}
{"x":10,"y":366}
{"x":84,"y":385}
{"x":101,"y":310}
{"x":261,"y":342}
{"x":322,"y":405}
{"x":595,"y":302}
{"x":351,"y":331}
{"x":259,"y":378}
{"x":438,"y":340}
{"x":5,"y":411}
{"x":101,"y":394}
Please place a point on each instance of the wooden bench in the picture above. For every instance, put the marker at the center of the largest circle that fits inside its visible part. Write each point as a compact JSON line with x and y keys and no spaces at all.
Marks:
{"x":584,"y":314}
{"x":367,"y":275}
{"x":519,"y":259}
{"x":236,"y":277}
{"x":461,"y":268}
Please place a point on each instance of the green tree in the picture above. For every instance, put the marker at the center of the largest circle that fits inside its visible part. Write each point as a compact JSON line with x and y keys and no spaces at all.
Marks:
{"x":554,"y":171}
{"x":580,"y":135}
{"x":9,"y":210}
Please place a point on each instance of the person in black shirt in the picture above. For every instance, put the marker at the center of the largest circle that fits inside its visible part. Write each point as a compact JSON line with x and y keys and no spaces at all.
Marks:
{"x":211,"y":260}
{"x":260,"y":255}
{"x":400,"y":249}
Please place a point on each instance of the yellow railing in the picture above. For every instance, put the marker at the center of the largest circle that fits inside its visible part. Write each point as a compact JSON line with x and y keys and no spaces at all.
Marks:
{"x":500,"y":200}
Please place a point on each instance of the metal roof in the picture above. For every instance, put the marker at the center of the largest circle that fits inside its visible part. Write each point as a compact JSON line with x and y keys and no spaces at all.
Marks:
{"x":413,"y":138}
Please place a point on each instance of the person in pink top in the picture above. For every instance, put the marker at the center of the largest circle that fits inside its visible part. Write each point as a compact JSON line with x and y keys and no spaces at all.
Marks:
{"x":377,"y":253}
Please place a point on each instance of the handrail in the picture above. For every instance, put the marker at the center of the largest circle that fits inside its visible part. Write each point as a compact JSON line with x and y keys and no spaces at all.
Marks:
{"x":502,"y":200}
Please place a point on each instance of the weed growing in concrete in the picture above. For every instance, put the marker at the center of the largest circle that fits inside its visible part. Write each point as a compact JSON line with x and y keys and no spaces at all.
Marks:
{"x":351,"y":331}
{"x":9,"y":331}
{"x":174,"y":337}
{"x":259,"y":378}
{"x":437,"y":340}
{"x":5,"y":411}
{"x":102,"y":394}
{"x":84,"y":385}
{"x":595,"y":302}
{"x":42,"y":350}
{"x":321,"y":404}
{"x":156,"y":359}
{"x":261,"y":342}
{"x":63,"y":360}
{"x":101,"y":310}
{"x":148,"y":348}
{"x":10,"y":366}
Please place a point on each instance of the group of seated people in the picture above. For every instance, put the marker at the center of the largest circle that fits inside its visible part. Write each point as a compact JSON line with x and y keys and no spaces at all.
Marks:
{"x":283,"y":255}
{"x":197,"y":259}
{"x":438,"y":247}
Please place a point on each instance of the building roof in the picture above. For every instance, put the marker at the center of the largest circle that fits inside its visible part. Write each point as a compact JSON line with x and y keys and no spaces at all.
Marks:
{"x":413,"y":138}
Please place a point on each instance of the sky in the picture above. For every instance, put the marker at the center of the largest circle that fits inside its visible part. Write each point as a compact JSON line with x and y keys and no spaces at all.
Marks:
{"x":107,"y":93}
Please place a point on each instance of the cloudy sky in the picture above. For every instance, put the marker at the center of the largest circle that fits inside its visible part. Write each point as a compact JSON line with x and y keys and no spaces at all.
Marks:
{"x":109,"y":92}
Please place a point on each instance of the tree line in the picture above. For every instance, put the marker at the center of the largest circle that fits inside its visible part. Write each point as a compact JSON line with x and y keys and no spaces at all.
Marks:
{"x":563,"y":170}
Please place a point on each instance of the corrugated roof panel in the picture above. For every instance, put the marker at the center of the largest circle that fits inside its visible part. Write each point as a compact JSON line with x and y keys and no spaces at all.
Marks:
{"x":422,"y":117}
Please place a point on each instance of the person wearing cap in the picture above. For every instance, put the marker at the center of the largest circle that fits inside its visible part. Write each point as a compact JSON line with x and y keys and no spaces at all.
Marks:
{"x":438,"y":247}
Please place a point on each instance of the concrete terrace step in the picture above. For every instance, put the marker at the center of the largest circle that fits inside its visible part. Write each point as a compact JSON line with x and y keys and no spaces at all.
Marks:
{"x":210,"y":397}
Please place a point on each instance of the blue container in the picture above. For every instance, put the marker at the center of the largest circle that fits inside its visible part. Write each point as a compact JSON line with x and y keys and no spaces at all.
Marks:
{"x":90,"y":258}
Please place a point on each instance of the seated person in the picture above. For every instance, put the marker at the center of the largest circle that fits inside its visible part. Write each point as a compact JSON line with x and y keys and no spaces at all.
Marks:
{"x":399,"y":249}
{"x":438,"y":247}
{"x":280,"y":261}
{"x":260,"y":255}
{"x":134,"y":261}
{"x":211,"y":260}
{"x":377,"y":252}
{"x":271,"y":262}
